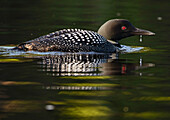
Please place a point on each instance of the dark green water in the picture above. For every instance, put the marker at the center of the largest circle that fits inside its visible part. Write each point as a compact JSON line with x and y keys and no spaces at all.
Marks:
{"x":138,"y":88}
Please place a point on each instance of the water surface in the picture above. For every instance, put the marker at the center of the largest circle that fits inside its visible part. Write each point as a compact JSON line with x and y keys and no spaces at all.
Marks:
{"x":125,"y":86}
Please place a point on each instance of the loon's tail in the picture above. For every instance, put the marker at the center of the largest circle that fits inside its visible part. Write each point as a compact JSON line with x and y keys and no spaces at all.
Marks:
{"x":15,"y":48}
{"x":20,"y":47}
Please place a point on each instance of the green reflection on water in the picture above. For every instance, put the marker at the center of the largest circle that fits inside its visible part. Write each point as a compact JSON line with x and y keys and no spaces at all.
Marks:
{"x":147,"y":115}
{"x":121,"y":103}
{"x":14,"y":60}
{"x":87,"y":111}
{"x":20,"y":106}
{"x":152,"y":99}
{"x":87,"y":77}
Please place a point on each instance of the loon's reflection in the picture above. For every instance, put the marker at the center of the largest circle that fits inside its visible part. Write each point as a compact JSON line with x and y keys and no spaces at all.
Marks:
{"x":73,"y":64}
{"x":88,"y":65}
{"x":121,"y":67}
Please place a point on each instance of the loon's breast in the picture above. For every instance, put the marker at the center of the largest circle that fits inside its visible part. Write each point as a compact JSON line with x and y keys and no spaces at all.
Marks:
{"x":69,"y":40}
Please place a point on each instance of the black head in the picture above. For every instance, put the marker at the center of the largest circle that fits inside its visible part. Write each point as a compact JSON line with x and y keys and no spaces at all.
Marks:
{"x":117,"y":29}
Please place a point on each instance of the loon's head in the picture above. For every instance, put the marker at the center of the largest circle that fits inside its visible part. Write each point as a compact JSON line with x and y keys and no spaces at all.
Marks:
{"x":117,"y":29}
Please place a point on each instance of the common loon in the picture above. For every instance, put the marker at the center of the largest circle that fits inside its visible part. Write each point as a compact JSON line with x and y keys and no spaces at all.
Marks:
{"x":78,"y":40}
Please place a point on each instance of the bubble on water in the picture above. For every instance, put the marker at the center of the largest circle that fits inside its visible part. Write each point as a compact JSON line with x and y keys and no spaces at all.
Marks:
{"x":49,"y":107}
{"x":118,"y":14}
{"x":126,"y":109}
{"x":140,"y":38}
{"x":159,"y":18}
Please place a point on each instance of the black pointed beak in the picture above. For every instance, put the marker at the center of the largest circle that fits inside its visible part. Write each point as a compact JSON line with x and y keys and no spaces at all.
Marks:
{"x":138,"y":31}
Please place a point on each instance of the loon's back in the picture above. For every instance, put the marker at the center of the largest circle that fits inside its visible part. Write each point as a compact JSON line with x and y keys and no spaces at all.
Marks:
{"x":69,"y":40}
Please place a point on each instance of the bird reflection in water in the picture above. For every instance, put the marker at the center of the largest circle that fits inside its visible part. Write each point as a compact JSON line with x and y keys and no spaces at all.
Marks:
{"x":123,"y":66}
{"x":89,"y":65}
{"x":73,"y":64}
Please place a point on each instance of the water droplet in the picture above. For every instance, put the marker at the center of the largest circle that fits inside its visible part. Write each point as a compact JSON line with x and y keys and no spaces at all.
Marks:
{"x":140,"y":61}
{"x":140,"y":39}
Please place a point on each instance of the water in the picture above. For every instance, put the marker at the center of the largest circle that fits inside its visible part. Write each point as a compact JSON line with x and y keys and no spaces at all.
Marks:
{"x":133,"y":84}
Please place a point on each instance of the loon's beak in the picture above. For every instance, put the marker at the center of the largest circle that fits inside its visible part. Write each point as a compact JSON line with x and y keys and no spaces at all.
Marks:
{"x":138,"y":31}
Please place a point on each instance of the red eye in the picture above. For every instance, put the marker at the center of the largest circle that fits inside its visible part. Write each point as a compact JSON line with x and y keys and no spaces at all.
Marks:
{"x":124,"y":28}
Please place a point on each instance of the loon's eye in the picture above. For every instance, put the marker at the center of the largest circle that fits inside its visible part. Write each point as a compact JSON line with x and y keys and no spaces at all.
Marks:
{"x":123,"y":27}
